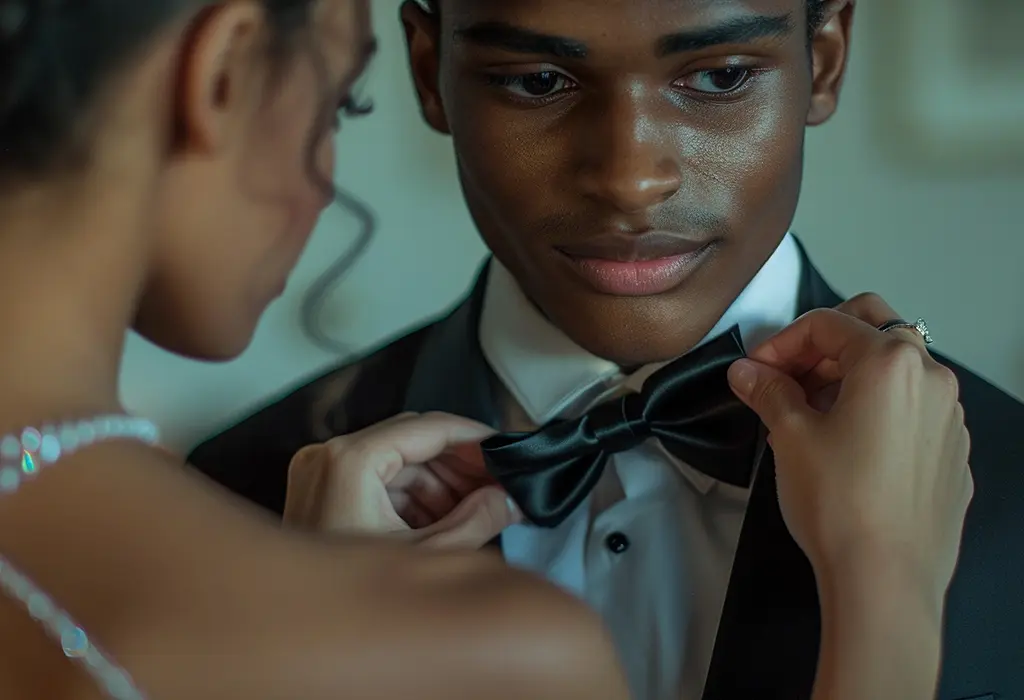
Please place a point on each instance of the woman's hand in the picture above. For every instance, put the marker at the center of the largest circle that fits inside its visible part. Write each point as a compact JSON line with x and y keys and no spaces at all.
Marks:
{"x":872,"y":310}
{"x":875,"y":478}
{"x":417,"y":477}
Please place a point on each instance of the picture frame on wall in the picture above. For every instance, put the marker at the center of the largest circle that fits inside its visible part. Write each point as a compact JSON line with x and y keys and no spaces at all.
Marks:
{"x":951,"y":80}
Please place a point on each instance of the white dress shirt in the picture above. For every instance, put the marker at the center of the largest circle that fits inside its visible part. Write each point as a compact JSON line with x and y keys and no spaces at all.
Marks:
{"x":652,"y":547}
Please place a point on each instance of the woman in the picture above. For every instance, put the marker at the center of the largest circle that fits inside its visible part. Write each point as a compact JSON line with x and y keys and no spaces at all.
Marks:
{"x":161,"y":166}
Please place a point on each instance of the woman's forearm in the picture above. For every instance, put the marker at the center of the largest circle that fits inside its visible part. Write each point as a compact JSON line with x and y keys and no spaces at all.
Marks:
{"x":881,"y":637}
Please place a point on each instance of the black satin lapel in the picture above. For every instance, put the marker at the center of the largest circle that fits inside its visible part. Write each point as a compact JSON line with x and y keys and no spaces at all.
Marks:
{"x":814,"y":290}
{"x":767,"y":644}
{"x":768,"y":639}
{"x":451,"y":373}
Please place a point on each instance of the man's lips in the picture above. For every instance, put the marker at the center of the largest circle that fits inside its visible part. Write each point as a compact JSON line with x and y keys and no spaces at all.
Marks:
{"x":625,"y":247}
{"x":635,"y":265}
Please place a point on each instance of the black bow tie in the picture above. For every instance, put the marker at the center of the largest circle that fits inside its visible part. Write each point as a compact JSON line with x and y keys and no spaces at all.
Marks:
{"x":687,"y":405}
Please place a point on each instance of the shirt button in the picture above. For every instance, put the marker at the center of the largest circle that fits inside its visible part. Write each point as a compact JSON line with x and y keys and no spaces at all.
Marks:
{"x":617,"y":543}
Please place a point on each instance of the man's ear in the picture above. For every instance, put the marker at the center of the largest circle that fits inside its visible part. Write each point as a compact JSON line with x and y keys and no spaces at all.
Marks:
{"x":423,"y":37}
{"x":219,"y":77}
{"x":830,"y":50}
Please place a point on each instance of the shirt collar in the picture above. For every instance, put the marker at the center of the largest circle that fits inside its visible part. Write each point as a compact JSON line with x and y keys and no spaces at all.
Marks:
{"x":550,"y":376}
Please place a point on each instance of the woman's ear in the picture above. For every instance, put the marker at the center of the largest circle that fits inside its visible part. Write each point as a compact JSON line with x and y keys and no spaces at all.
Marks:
{"x":220,"y":79}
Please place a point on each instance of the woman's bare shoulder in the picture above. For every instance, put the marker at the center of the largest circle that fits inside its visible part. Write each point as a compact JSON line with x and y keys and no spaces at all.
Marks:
{"x":167,"y":571}
{"x":473,"y":627}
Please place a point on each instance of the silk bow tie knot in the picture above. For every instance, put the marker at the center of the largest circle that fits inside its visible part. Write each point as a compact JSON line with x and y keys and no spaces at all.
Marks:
{"x":687,"y":405}
{"x":620,"y":424}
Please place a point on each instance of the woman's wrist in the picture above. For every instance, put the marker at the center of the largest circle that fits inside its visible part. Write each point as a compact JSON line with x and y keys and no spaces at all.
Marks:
{"x":868,"y":571}
{"x":883,"y":592}
{"x":881,"y":631}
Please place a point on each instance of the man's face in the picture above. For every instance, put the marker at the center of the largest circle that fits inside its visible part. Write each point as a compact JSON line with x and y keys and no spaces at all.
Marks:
{"x":633,"y":163}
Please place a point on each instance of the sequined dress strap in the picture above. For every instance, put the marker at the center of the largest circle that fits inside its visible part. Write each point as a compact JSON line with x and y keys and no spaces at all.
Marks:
{"x":22,"y":457}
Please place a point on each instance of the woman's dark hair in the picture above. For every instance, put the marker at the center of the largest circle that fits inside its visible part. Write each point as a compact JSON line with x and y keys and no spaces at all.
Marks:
{"x":55,"y":58}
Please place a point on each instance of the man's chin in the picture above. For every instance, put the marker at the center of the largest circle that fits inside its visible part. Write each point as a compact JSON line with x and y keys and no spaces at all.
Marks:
{"x":634,"y":331}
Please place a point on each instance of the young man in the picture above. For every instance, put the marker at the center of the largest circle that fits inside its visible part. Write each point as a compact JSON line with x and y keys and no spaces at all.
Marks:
{"x":635,"y":167}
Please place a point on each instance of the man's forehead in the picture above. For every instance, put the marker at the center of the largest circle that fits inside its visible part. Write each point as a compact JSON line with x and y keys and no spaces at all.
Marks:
{"x":615,"y":29}
{"x":694,"y":10}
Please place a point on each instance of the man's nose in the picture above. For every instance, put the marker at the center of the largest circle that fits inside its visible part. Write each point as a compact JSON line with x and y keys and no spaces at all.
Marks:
{"x":630,"y":161}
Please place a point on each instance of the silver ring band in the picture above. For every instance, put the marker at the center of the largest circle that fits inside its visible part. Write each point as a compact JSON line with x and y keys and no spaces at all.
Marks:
{"x":898,"y":323}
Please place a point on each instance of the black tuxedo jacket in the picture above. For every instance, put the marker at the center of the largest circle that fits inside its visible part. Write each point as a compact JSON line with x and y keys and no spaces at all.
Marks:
{"x":767,"y":643}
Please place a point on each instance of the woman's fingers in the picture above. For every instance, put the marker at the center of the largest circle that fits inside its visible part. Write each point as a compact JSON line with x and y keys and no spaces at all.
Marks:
{"x":822,"y":334}
{"x":874,"y":310}
{"x":477,"y":520}
{"x":412,"y":439}
{"x":818,"y":367}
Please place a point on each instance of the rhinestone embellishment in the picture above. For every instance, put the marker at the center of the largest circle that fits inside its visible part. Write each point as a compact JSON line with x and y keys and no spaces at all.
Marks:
{"x":921,"y":327}
{"x":22,"y":458}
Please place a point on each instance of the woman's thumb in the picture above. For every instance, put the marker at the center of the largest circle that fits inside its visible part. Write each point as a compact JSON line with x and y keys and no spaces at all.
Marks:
{"x":478,"y":519}
{"x":776,"y":398}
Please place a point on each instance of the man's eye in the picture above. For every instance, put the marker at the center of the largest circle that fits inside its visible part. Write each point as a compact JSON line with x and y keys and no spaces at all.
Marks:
{"x":533,"y":85}
{"x":720,"y":81}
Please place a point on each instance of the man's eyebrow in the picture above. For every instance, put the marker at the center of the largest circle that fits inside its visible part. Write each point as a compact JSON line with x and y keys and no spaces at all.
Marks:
{"x":507,"y":37}
{"x":736,"y":31}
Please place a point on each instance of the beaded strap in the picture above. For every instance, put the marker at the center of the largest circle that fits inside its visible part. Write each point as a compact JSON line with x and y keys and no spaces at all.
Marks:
{"x":22,"y":457}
